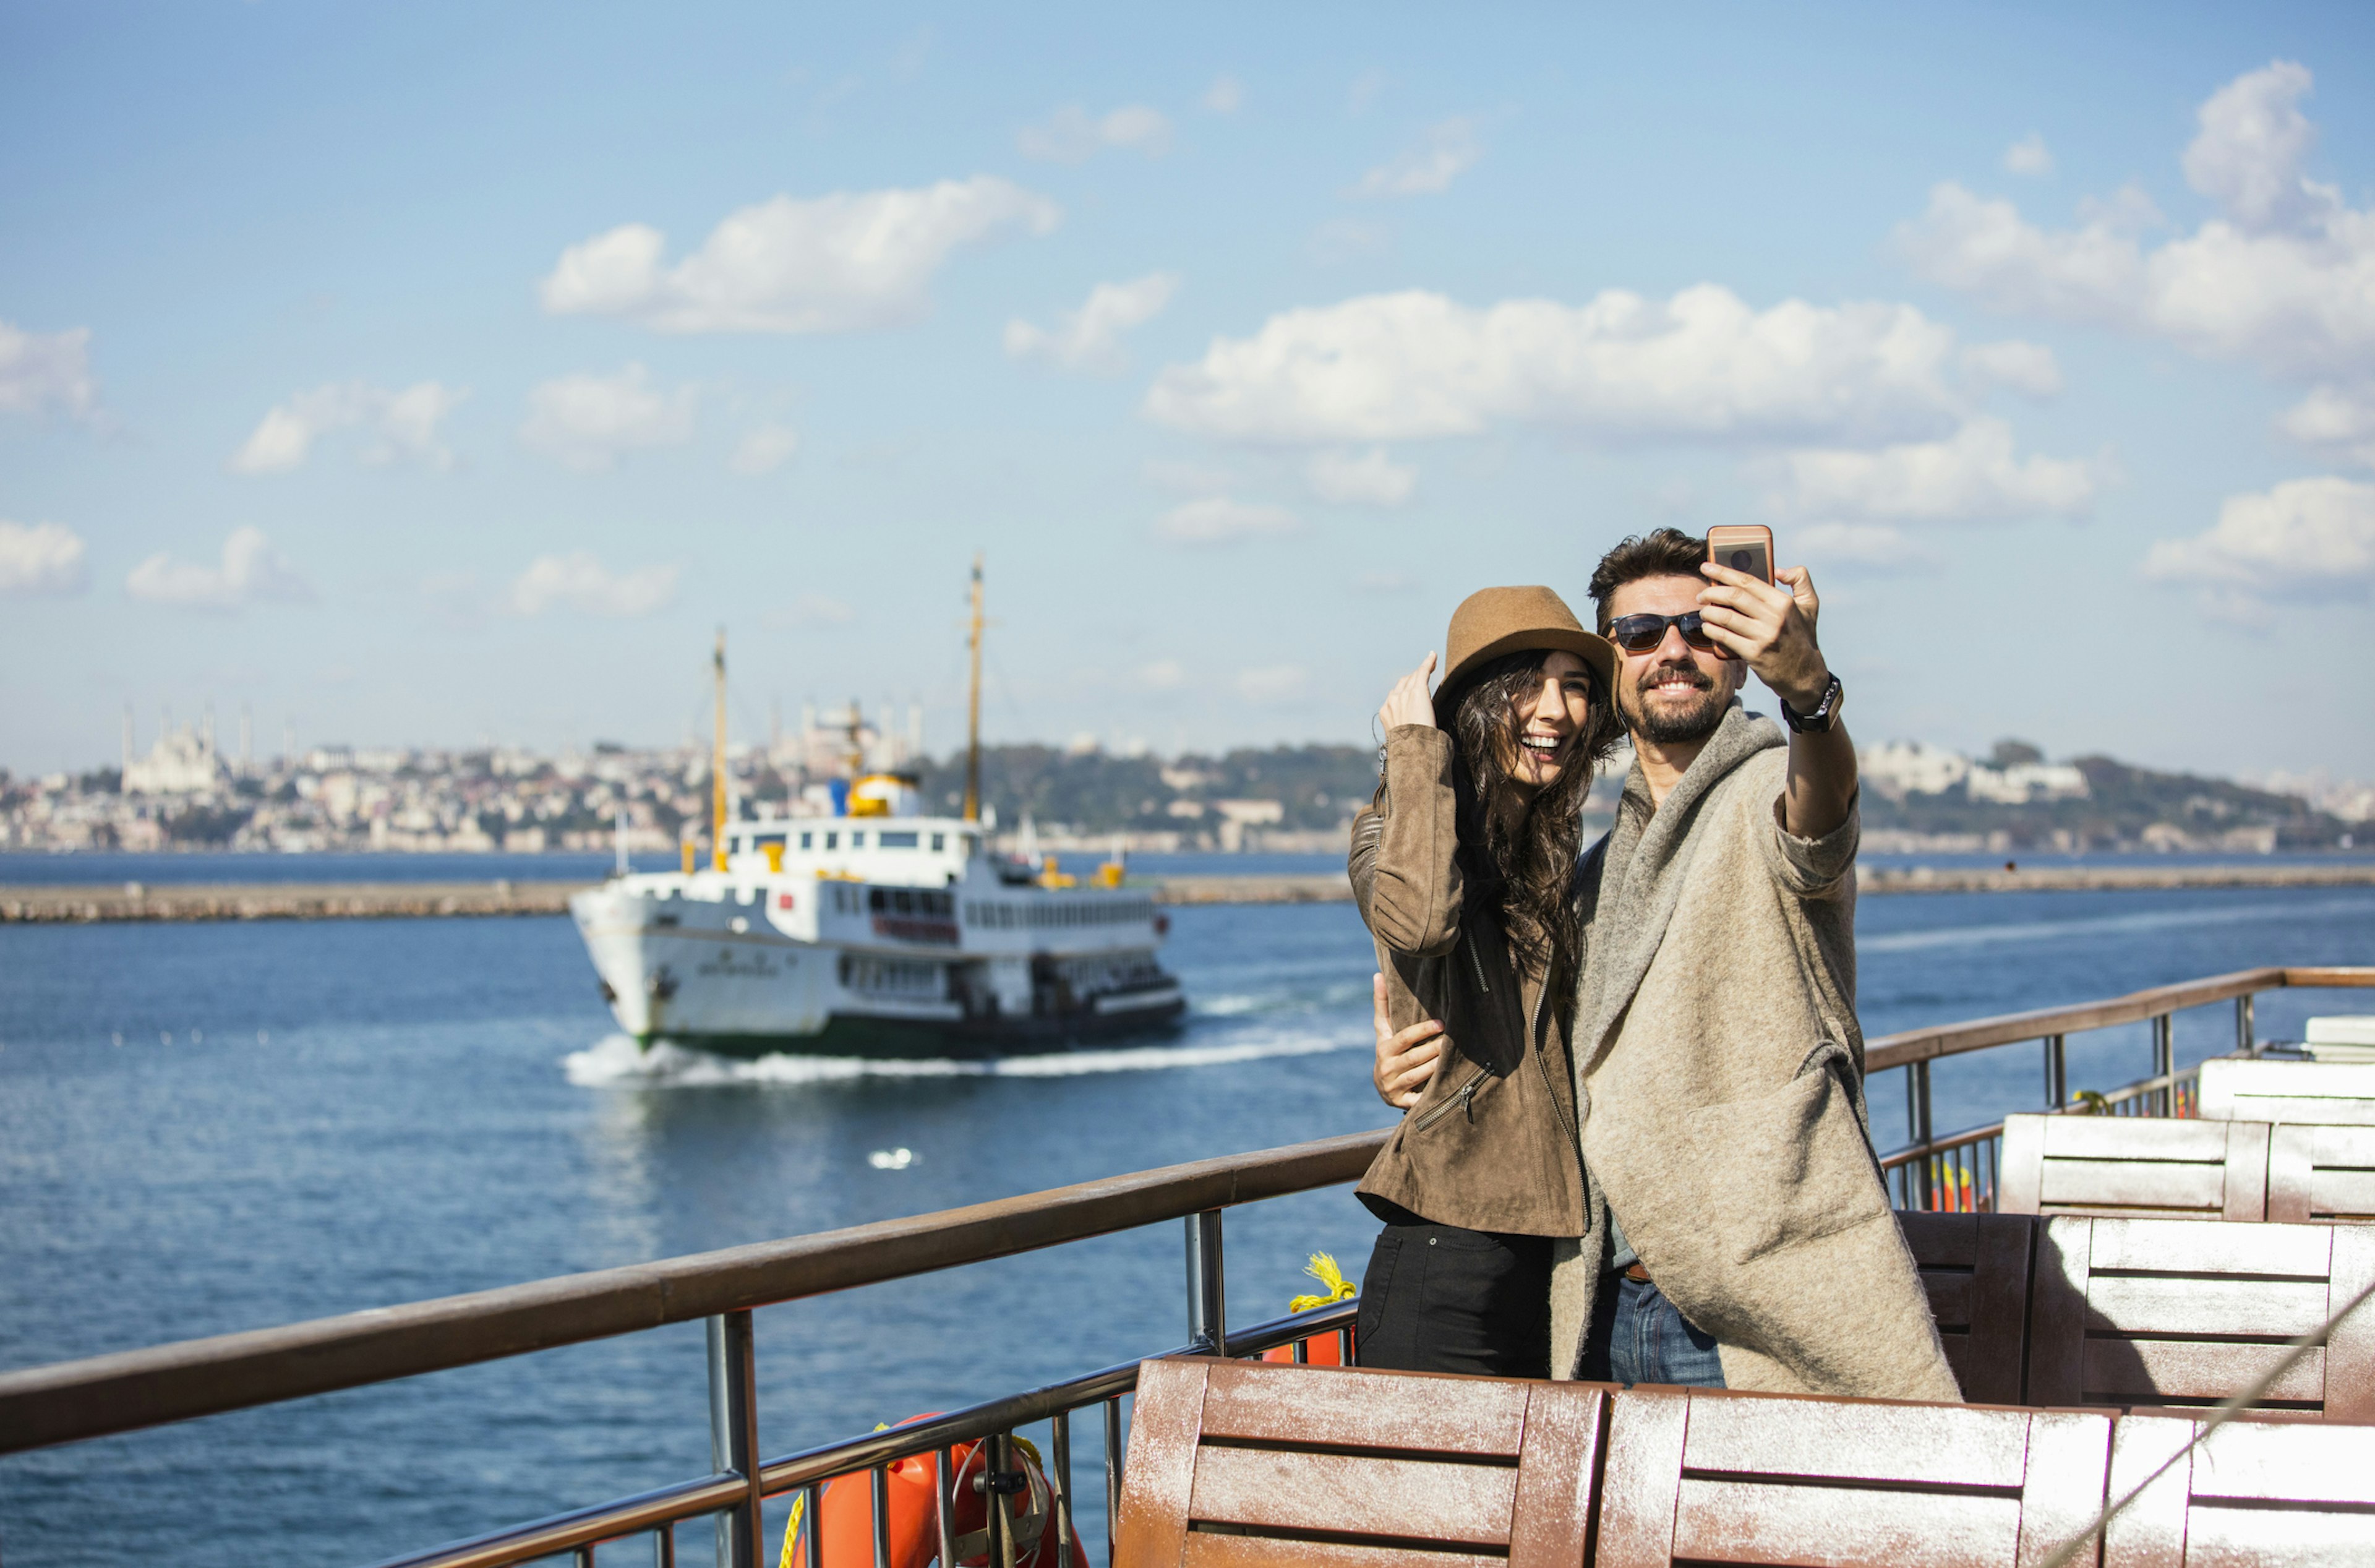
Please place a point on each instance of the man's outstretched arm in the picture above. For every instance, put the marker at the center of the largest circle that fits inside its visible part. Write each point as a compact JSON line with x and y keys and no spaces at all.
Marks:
{"x":1770,"y":626}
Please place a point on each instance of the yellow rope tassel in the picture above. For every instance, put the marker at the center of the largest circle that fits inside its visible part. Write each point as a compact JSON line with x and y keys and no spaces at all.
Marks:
{"x":1323,"y":1268}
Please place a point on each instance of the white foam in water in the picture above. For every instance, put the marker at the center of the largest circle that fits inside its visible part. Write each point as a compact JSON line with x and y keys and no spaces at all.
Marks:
{"x":616,"y":1061}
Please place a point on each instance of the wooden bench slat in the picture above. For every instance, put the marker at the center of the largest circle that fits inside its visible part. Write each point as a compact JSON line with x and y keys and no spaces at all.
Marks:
{"x":1644,"y":1477}
{"x":2305,"y":1488}
{"x":1950,"y":1299}
{"x":2156,"y":1370}
{"x":2257,"y":1460}
{"x":1762,"y":1522}
{"x":2342,"y":1194}
{"x":2196,"y":1305}
{"x":2135,"y":1138}
{"x":1907,"y":1443}
{"x":1558,"y":1474}
{"x":2305,"y":1111}
{"x":2162,"y":1187}
{"x":1975,"y":1270}
{"x":1429,"y":1499}
{"x":1429,"y":1414}
{"x":2350,"y":1352}
{"x":2062,"y":1489}
{"x":2328,"y":1093}
{"x":1165,"y":1419}
{"x":2208,"y":1246}
{"x":2352,"y":1147}
{"x":1207,"y":1549}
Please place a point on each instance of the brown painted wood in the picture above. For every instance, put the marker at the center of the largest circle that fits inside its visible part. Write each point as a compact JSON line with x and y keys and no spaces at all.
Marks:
{"x":2057,"y":1314}
{"x":2062,"y":1482}
{"x":2292,"y":1164}
{"x":1209,"y":1549}
{"x":1159,"y":1475}
{"x":2350,"y":1350}
{"x":2201,"y":1303}
{"x":1999,"y":1331}
{"x":2246,"y":1193}
{"x":2135,"y":1138}
{"x":2149,"y":1532}
{"x":2020,"y":1172}
{"x":1358,"y":1408}
{"x":2339,"y":1093}
{"x":1273,"y":1490}
{"x":1794,"y":1478}
{"x":2301,"y":1252}
{"x":2255,"y":1494}
{"x":2163,"y":1372}
{"x":1925,"y":1045}
{"x":1558,"y":1474}
{"x":2170,"y":1188}
{"x":1643,"y":1480}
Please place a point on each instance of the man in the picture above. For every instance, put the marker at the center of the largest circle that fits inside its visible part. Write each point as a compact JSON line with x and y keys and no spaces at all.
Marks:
{"x":1740,"y":1234}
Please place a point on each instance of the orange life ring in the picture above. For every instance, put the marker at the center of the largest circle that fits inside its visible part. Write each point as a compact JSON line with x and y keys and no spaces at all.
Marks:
{"x":846,"y":1510}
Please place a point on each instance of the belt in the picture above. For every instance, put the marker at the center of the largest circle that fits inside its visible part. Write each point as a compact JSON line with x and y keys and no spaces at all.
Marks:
{"x":1636,"y":1273}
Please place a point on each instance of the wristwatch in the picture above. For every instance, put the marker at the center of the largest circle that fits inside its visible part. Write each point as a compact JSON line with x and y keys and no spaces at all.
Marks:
{"x":1819,"y":721}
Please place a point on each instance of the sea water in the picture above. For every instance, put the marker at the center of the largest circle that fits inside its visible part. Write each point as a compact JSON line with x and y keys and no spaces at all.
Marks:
{"x":210,"y":1128}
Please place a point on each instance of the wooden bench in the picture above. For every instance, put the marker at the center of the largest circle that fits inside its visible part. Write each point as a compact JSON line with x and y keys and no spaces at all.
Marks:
{"x":2325,"y":1094}
{"x":1975,"y":1270}
{"x":2256,"y":1493}
{"x":2135,"y":1165}
{"x":1245,"y":1464}
{"x":2174,"y":1312}
{"x":1705,"y":1476}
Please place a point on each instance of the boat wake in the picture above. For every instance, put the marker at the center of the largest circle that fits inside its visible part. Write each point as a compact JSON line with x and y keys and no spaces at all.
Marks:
{"x":616,"y":1062}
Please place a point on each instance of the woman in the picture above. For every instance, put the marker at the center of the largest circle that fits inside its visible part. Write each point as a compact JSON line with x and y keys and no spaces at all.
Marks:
{"x":1462,"y":864}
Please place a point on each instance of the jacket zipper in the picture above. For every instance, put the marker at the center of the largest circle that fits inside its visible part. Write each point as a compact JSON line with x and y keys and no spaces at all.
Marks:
{"x":1475,"y":963}
{"x":1458,"y":1099}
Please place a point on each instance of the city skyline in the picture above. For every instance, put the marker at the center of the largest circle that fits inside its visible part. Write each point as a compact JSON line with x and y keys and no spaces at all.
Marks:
{"x":417,"y":378}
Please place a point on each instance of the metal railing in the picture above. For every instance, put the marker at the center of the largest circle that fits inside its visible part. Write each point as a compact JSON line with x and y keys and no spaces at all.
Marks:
{"x":124,"y":1392}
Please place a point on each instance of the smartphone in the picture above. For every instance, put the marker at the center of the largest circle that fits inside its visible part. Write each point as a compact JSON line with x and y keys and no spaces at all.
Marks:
{"x":1743,"y":546}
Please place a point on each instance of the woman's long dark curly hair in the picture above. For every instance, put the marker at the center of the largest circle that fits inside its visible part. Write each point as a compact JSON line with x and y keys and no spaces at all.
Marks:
{"x":1525,"y":873}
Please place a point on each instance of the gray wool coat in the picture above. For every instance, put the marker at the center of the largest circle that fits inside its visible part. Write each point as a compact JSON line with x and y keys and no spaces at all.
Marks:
{"x":1719,"y":1090}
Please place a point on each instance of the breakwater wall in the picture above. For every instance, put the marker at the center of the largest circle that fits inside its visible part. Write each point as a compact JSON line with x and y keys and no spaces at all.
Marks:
{"x":80,"y":905}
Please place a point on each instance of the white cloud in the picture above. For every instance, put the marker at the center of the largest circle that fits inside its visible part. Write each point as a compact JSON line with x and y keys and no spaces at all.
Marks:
{"x":1448,"y":151}
{"x":1162,"y":674}
{"x":587,"y":422}
{"x":41,"y":372}
{"x":765,"y":449}
{"x":2029,"y":368}
{"x":839,"y":263}
{"x":2284,"y":278}
{"x":1225,"y":96}
{"x":2304,"y":539}
{"x":403,"y":424}
{"x":1368,"y":478}
{"x":1217,"y":520}
{"x":1186,"y":478}
{"x":2030,"y":155}
{"x":1345,"y":239}
{"x":1072,"y":135}
{"x":1881,"y":546}
{"x":1272,"y":683}
{"x":2338,"y":420}
{"x":251,"y":572}
{"x":41,"y":560}
{"x":1970,"y":476}
{"x":579,"y":582}
{"x":1090,"y":338}
{"x":1412,"y":365}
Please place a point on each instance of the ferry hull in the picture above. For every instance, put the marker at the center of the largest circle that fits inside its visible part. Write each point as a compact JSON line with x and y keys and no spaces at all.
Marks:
{"x":901,"y":1039}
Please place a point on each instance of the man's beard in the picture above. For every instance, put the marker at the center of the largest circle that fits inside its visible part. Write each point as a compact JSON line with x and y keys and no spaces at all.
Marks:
{"x":1673,"y":724}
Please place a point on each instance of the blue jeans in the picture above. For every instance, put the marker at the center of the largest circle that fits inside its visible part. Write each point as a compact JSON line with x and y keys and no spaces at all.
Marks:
{"x":1637,"y":1336}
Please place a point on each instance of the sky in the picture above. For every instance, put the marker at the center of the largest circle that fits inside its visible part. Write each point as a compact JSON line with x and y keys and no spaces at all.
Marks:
{"x":444,"y":376}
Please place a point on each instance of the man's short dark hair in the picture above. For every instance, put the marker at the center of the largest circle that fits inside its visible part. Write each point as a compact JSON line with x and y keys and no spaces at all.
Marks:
{"x":1662,"y":552}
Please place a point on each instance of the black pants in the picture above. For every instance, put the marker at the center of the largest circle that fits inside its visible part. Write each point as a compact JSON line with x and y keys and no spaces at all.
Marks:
{"x":1437,"y":1298}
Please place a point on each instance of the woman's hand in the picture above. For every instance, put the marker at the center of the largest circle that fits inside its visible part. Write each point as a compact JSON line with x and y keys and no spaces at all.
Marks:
{"x":1409,"y":703}
{"x":1406,"y":1061}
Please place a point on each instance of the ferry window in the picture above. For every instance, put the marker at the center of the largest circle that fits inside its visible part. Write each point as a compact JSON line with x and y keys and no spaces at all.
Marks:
{"x":904,"y":901}
{"x":894,"y":841}
{"x":807,"y":841}
{"x":940,"y":841}
{"x":832,"y":841}
{"x":763,"y":839}
{"x":856,"y":840}
{"x":874,"y":899}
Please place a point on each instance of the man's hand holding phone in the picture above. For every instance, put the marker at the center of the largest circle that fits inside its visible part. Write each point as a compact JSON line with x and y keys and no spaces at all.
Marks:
{"x":1769,"y":626}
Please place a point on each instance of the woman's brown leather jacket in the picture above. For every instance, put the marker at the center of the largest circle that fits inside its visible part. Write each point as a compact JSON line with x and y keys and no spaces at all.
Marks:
{"x":1490,"y":1144}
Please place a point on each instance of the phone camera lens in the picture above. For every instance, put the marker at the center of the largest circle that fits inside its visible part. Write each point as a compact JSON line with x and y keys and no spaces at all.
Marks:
{"x":1739,"y":560}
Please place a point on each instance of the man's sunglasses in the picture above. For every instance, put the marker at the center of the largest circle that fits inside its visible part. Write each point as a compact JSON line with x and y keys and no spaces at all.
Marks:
{"x":1642,"y":633}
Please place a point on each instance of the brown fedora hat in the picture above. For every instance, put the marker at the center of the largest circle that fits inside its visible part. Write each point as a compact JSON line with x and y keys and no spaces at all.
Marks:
{"x":1493,"y":621}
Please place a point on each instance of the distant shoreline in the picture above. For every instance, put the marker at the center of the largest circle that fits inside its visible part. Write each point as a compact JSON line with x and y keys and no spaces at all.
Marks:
{"x":50,"y":905}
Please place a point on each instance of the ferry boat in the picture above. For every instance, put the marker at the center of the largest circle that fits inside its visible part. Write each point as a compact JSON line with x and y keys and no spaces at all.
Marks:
{"x":875,"y":930}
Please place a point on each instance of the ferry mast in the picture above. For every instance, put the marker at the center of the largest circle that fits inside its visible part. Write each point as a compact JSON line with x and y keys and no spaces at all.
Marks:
{"x":718,"y":764}
{"x":972,"y":711}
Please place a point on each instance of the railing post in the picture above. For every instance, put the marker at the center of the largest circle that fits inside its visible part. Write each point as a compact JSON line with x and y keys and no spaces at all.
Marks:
{"x":734,"y":1435}
{"x":1917,"y":1120}
{"x":2244,"y":1041}
{"x":1208,"y":1301}
{"x":2163,"y":1063}
{"x":2057,"y":1073}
